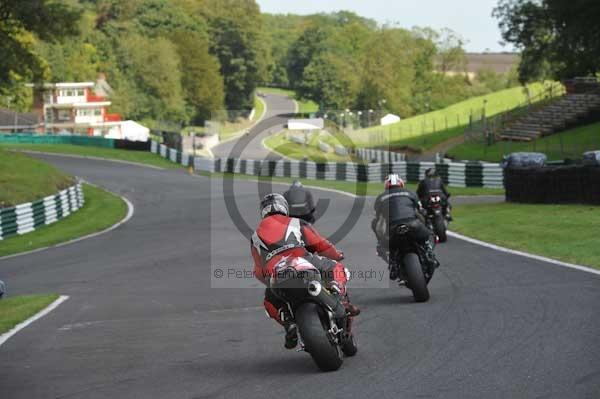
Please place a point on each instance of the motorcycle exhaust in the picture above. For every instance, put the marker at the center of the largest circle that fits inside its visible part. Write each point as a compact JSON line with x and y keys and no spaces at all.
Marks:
{"x":325,"y":298}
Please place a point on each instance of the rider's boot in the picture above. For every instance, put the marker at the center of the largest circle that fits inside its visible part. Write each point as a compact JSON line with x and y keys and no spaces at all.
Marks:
{"x":342,"y":295}
{"x":430,"y":255}
{"x":291,"y":329}
{"x":394,"y":272}
{"x":291,"y":335}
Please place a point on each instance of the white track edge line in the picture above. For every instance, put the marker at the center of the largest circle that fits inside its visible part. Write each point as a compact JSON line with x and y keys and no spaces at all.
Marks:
{"x":4,"y":337}
{"x":130,"y":212}
{"x":524,"y":254}
{"x":58,"y":154}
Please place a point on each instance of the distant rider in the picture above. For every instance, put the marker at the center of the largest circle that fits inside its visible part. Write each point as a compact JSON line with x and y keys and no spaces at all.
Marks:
{"x":433,"y":184}
{"x":279,"y":236}
{"x":397,"y":206}
{"x":300,"y":201}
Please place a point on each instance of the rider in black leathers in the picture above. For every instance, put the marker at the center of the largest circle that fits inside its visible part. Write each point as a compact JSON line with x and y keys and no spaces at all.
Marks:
{"x":433,"y":184}
{"x":397,"y":206}
{"x":301,"y":203}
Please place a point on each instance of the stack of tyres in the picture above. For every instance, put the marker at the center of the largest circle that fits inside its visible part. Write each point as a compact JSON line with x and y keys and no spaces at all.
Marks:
{"x":591,"y":184}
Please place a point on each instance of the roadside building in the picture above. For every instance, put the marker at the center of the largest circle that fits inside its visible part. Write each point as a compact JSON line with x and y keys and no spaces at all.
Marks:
{"x":81,"y":108}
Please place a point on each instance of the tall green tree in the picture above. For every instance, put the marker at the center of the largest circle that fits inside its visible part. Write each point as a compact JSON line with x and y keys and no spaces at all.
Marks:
{"x":240,"y":44}
{"x":155,"y":67}
{"x":201,"y":78}
{"x":557,"y":38}
{"x":387,"y":71}
{"x":19,"y":22}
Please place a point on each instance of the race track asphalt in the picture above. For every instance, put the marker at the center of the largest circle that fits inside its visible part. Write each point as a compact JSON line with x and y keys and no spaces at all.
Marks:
{"x":280,"y":108}
{"x":144,"y":319}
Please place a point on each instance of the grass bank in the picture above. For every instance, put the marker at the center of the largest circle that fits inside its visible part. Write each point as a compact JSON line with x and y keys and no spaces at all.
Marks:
{"x":569,"y":144}
{"x":564,"y":232}
{"x":100,"y":211}
{"x":444,"y":121}
{"x":24,"y":179}
{"x":279,"y":143}
{"x":15,"y":310}
{"x":142,"y":157}
{"x":229,"y":130}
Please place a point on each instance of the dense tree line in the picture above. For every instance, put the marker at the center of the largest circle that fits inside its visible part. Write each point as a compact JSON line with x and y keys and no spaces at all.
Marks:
{"x":342,"y":61}
{"x":558,"y":39}
{"x":181,"y":60}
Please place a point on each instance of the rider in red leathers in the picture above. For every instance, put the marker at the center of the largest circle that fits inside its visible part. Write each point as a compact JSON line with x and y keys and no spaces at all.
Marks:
{"x":279,"y":236}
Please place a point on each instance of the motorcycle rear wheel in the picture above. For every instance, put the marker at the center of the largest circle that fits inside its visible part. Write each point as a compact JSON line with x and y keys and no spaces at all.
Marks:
{"x":327,"y":355}
{"x":415,"y":278}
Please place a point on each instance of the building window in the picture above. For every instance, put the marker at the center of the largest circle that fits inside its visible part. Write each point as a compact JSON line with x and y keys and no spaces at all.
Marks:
{"x":98,"y":112}
{"x":80,"y":93}
{"x":64,"y":114}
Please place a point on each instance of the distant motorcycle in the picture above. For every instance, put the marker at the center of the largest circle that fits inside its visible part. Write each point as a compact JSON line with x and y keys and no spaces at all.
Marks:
{"x":323,"y":325}
{"x":436,"y":219}
{"x":409,"y":266}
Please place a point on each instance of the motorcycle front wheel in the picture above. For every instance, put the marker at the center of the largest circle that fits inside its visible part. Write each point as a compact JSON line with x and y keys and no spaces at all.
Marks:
{"x":327,"y":355}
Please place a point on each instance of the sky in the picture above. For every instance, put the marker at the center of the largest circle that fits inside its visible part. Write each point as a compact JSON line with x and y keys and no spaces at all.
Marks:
{"x":472,"y":19}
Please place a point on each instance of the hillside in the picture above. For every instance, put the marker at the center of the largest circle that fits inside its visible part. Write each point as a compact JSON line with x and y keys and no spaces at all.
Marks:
{"x":24,"y":179}
{"x":444,"y":121}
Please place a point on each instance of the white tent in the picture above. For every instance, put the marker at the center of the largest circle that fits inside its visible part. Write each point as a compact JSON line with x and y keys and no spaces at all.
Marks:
{"x":128,"y":130}
{"x":389,"y":119}
{"x":306,"y":124}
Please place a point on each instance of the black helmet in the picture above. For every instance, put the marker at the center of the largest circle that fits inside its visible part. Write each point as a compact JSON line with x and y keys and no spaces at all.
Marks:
{"x":273,"y":203}
{"x":431,"y":172}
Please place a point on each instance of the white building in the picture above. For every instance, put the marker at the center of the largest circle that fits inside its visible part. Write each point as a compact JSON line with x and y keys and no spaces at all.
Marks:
{"x":389,"y":119}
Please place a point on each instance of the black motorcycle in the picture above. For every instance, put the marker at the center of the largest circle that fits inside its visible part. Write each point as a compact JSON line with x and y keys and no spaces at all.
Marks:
{"x":408,"y":264}
{"x":436,"y":219}
{"x":324,"y":327}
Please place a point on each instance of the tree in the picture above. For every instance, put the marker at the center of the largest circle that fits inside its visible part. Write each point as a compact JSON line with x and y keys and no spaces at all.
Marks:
{"x":238,"y":41}
{"x":330,"y":81}
{"x":201,"y":80}
{"x":155,"y":70}
{"x":557,"y":38}
{"x":451,"y":54}
{"x":388,"y":71}
{"x":19,"y":22}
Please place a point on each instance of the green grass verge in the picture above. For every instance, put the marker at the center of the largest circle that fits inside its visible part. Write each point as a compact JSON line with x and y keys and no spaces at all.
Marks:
{"x":228,"y":130}
{"x":568,"y":144}
{"x":100,"y":211}
{"x":142,"y":157}
{"x":280,"y":144}
{"x":454,"y":116}
{"x":304,"y":106}
{"x":24,"y":179}
{"x":15,"y":310}
{"x":371,"y":189}
{"x":564,"y":232}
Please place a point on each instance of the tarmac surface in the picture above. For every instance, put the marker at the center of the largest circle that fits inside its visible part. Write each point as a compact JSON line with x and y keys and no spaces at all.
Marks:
{"x":149,"y":318}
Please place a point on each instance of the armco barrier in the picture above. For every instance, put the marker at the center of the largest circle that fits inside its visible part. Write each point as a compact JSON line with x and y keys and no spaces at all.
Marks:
{"x":454,"y":174}
{"x":27,"y":217}
{"x":370,"y":154}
